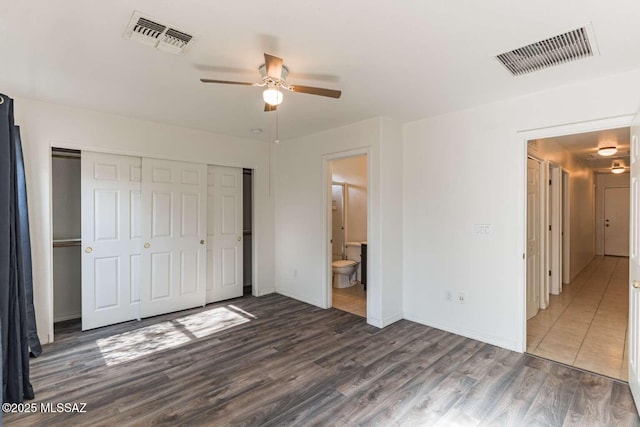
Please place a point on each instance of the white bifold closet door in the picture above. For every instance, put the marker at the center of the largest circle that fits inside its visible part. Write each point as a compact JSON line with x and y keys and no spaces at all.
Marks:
{"x":111,"y":236}
{"x":224,"y":247}
{"x":174,"y":229}
{"x":144,"y":225}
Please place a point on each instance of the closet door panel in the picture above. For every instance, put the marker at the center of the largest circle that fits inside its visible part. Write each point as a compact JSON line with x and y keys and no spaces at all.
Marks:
{"x":224,"y":262}
{"x":174,"y":200}
{"x":110,"y":215}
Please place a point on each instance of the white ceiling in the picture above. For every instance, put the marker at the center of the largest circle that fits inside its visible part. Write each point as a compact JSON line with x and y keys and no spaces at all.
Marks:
{"x":406,"y":59}
{"x":584,"y":146}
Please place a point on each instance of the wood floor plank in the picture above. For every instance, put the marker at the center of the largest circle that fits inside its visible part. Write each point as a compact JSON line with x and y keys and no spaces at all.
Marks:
{"x":514,"y":402}
{"x":274,"y":361}
{"x":552,"y":402}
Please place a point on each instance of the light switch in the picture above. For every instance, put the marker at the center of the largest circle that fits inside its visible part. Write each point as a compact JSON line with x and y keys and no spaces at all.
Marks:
{"x":482,"y":228}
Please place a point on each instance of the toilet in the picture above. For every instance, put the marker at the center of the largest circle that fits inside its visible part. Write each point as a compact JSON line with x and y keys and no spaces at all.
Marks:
{"x":344,"y":270}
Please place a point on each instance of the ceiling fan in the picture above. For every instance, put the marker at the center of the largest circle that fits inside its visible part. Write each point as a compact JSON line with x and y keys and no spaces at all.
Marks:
{"x":274,"y":76}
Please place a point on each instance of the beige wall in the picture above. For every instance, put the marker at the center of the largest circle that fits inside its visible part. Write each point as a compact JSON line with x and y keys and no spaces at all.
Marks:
{"x":581,"y":202}
{"x":353,"y":172}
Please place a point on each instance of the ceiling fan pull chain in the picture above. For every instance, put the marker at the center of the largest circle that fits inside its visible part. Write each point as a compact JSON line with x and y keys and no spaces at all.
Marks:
{"x":277,"y":140}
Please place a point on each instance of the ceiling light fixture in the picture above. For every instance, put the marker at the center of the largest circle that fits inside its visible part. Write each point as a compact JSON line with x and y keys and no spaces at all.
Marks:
{"x":608,"y":151}
{"x":272,"y":96}
{"x":617,"y":167}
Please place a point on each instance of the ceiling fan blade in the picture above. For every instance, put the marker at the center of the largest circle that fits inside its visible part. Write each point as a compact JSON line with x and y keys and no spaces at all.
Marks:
{"x":229,"y":82}
{"x":315,"y":91}
{"x":269,"y":107}
{"x":274,"y":66}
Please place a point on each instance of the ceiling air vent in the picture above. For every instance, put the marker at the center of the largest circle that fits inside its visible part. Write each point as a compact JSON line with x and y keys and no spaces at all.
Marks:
{"x":174,"y":41}
{"x":146,"y":31}
{"x":576,"y":44}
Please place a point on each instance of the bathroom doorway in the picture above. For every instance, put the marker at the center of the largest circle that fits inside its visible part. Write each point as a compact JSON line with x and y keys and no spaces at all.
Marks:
{"x":349,"y":214}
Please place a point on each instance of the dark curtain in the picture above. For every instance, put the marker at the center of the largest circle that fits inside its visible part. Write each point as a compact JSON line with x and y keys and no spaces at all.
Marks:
{"x":17,"y":316}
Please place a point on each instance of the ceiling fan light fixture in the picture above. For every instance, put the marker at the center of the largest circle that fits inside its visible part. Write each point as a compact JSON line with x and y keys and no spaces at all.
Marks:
{"x":607,"y":151}
{"x":272,"y":96}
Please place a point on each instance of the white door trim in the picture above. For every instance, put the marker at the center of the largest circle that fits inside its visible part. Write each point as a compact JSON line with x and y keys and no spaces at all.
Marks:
{"x":554,"y":257}
{"x":566,"y":229}
{"x":523,"y":137}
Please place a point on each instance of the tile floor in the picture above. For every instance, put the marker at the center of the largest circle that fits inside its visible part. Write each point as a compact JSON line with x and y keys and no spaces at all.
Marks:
{"x":352,"y":299}
{"x":586,"y":325}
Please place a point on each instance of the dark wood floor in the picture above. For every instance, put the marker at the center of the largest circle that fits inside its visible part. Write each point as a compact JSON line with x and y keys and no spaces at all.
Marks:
{"x":274,"y":361}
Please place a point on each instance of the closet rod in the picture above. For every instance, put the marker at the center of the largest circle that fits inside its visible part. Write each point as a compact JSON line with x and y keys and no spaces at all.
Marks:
{"x":66,"y":243}
{"x":64,"y":156}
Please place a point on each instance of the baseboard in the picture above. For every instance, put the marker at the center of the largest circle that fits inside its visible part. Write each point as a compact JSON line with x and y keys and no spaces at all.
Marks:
{"x":392,"y":319}
{"x":63,"y":317}
{"x":293,"y":295}
{"x":468,"y":333}
{"x":378,"y":323}
{"x":262,"y":292}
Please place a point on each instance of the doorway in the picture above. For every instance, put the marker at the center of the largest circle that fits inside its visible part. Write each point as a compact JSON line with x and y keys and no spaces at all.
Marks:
{"x":348,"y":198}
{"x":585,"y":321}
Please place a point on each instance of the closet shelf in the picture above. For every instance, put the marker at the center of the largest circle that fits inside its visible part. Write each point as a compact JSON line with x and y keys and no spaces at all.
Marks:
{"x":64,"y":243}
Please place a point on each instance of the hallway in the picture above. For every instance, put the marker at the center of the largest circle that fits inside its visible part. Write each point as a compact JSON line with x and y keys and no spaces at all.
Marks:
{"x":586,"y":326}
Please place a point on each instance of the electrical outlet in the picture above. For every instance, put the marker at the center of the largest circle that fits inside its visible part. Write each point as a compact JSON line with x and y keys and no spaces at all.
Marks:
{"x":448,"y":295}
{"x":462,"y":297}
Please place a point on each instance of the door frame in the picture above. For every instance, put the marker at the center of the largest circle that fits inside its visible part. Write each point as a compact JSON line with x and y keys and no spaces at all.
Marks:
{"x":255,"y":286}
{"x":543,"y":290}
{"x":566,"y":229}
{"x":327,"y":182}
{"x":554,"y":217}
{"x":523,"y":136}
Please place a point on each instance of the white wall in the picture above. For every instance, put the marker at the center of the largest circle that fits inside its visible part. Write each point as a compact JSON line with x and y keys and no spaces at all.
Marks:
{"x":302,"y":258}
{"x":581,"y":202}
{"x":603,"y":181}
{"x":468,"y":168}
{"x":353,"y":172}
{"x":44,"y":125}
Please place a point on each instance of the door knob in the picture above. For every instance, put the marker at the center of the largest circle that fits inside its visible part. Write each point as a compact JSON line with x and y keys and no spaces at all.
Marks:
{"x":635,"y":284}
{"x":89,"y":249}
{"x":202,"y":242}
{"x":239,"y":238}
{"x":147,"y":245}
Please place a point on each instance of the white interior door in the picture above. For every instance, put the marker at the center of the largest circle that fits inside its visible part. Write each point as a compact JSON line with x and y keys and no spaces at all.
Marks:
{"x":174,"y":205}
{"x":110,"y":199}
{"x":634,"y":266}
{"x":224,"y":247}
{"x":533,"y":237}
{"x":616,"y":221}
